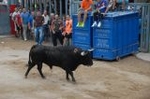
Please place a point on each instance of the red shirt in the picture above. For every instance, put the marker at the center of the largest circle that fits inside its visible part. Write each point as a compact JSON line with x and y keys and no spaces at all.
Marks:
{"x":18,"y":19}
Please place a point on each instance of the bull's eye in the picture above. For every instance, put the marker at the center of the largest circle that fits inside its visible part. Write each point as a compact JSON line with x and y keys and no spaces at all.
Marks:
{"x":75,"y":50}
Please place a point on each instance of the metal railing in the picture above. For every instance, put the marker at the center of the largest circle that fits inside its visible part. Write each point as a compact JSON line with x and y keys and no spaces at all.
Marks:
{"x":55,"y":6}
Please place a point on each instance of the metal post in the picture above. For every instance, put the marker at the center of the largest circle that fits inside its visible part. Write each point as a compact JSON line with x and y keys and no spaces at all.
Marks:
{"x":60,"y":8}
{"x":50,"y":8}
{"x":31,"y":4}
{"x":44,"y":3}
{"x":148,"y":20}
{"x":70,"y":1}
{"x":55,"y":6}
{"x":66,"y":7}
{"x":39,"y":2}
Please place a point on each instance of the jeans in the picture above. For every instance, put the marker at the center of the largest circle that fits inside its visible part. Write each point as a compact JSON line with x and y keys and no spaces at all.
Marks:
{"x":24,"y":32}
{"x":46,"y":32}
{"x":39,"y":35}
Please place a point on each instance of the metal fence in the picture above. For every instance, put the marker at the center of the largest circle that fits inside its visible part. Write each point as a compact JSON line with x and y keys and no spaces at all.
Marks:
{"x":4,"y":19}
{"x":74,"y":6}
{"x":144,"y":12}
{"x":61,"y":7}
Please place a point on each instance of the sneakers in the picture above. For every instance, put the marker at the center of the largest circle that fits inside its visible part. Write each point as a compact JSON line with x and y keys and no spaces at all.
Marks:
{"x":80,"y":24}
{"x":94,"y":24}
{"x":99,"y":24}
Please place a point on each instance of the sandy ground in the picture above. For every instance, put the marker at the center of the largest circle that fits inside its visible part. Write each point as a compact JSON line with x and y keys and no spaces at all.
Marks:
{"x":128,"y":78}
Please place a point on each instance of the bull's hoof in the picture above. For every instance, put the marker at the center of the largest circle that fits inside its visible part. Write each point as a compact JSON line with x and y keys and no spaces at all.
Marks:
{"x":74,"y":82}
{"x":67,"y":79}
{"x":43,"y":77}
{"x":25,"y":77}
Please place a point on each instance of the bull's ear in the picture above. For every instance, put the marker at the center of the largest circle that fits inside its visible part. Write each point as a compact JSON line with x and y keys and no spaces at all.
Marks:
{"x":83,"y":53}
{"x":90,"y":50}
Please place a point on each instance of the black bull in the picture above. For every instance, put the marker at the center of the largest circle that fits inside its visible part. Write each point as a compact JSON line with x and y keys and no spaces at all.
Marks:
{"x":65,"y":57}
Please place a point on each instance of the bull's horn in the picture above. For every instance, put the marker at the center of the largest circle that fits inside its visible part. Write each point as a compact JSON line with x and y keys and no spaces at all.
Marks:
{"x":90,"y":50}
{"x":83,"y":53}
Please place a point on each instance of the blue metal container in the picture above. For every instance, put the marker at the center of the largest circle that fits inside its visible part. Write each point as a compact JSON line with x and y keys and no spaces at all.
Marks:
{"x":82,"y":36}
{"x":117,"y":36}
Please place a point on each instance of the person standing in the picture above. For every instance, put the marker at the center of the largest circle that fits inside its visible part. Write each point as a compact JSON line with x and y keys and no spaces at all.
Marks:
{"x":25,"y":15}
{"x":31,"y":24}
{"x":39,"y":35}
{"x":14,"y":14}
{"x":57,"y":25}
{"x":67,"y":31}
{"x":46,"y":25}
{"x":19,"y":24}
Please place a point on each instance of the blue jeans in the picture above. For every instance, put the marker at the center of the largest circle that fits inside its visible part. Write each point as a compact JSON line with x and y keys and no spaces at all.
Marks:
{"x":39,"y":35}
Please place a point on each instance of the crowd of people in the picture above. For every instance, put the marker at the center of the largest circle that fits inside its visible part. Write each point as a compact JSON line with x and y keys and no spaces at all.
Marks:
{"x":101,"y":8}
{"x":41,"y":26}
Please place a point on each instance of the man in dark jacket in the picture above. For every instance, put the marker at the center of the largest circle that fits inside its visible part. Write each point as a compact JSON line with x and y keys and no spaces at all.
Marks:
{"x":57,"y":26}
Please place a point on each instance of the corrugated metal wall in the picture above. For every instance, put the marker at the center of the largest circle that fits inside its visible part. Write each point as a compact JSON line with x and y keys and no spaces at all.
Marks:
{"x":144,"y":9}
{"x":4,"y":19}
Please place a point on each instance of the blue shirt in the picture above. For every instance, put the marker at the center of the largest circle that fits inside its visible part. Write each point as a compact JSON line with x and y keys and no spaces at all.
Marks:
{"x":25,"y":17}
{"x":30,"y":20}
{"x":102,"y":5}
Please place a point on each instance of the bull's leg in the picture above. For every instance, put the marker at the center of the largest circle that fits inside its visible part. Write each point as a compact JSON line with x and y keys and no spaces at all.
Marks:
{"x":28,"y":70}
{"x":67,"y":76}
{"x":40,"y":70}
{"x":71,"y":74}
{"x":51,"y":67}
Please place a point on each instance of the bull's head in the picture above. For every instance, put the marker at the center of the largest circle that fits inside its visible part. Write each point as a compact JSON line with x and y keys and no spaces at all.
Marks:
{"x":86,"y":57}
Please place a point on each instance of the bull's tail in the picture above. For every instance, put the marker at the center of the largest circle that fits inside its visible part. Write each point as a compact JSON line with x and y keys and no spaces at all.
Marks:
{"x":29,"y":61}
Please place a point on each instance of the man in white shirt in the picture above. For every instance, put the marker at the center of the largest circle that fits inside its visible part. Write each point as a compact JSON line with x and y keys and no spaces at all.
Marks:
{"x":46,"y":25}
{"x":13,"y":18}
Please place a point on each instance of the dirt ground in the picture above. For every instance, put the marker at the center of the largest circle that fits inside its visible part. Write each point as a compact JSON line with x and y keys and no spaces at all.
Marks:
{"x":128,"y":78}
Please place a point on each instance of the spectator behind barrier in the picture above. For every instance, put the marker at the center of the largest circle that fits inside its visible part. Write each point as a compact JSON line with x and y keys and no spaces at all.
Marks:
{"x":117,"y":3}
{"x":67,"y":31}
{"x":114,"y":4}
{"x":31,"y":24}
{"x":57,"y":25}
{"x":86,"y":6}
{"x":46,"y":25}
{"x":14,"y":19}
{"x":19,"y":24}
{"x":39,"y":35}
{"x":25,"y":16}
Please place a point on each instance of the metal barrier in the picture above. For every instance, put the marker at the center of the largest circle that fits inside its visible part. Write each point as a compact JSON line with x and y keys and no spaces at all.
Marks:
{"x":4,"y":19}
{"x":74,"y":6}
{"x":61,"y":7}
{"x":144,"y":11}
{"x":144,"y":22}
